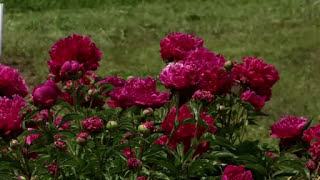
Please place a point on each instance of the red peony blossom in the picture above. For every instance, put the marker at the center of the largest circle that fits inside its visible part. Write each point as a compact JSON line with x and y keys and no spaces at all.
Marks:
{"x":177,"y":45}
{"x":186,"y":132}
{"x":93,"y":124}
{"x":46,"y":94}
{"x":203,"y":95}
{"x":232,"y":172}
{"x":311,"y":134}
{"x":288,"y":127}
{"x":311,"y":165}
{"x":10,"y":119}
{"x":254,"y":99}
{"x":11,"y":83}
{"x":138,"y":92}
{"x":134,"y":164}
{"x":314,"y":150}
{"x":73,"y":48}
{"x":178,"y":76}
{"x":256,"y":74}
{"x":53,"y":168}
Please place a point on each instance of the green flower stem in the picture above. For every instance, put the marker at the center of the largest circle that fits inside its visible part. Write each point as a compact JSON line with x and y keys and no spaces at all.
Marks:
{"x":177,"y":123}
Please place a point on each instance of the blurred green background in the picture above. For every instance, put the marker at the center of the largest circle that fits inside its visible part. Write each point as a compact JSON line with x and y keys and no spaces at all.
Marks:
{"x":285,"y":33}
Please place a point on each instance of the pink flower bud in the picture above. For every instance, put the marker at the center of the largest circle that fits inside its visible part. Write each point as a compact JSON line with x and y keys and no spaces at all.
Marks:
{"x":82,"y":138}
{"x":46,"y":94}
{"x":93,"y":124}
{"x":70,"y":69}
{"x":311,"y":165}
{"x":53,"y":168}
{"x":134,"y":164}
{"x":141,"y":178}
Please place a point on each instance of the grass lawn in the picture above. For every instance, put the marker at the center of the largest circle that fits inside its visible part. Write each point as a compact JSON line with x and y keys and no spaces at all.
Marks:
{"x":284,"y":33}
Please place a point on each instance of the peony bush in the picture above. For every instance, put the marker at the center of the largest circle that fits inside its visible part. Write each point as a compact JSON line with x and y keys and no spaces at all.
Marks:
{"x":78,"y":125}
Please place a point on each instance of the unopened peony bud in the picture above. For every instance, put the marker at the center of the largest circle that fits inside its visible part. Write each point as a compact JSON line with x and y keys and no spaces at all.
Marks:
{"x":60,"y":144}
{"x":46,"y":94}
{"x":14,"y":143}
{"x":35,"y":177}
{"x":21,"y":177}
{"x":141,"y":178}
{"x":82,"y":138}
{"x":143,"y":129}
{"x":222,"y":107}
{"x":134,"y":164}
{"x":147,"y":111}
{"x":112,"y":125}
{"x":228,"y":65}
{"x":70,"y":70}
{"x":90,"y":92}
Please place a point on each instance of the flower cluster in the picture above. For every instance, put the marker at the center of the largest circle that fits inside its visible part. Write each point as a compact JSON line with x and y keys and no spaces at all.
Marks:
{"x":138,"y":92}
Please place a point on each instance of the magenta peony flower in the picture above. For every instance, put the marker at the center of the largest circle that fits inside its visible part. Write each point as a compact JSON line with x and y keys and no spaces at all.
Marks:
{"x":46,"y":94}
{"x":178,"y":76}
{"x":53,"y":168}
{"x":314,"y":150}
{"x":203,"y":95}
{"x":186,"y":132}
{"x":256,"y":74}
{"x":10,"y":119}
{"x":177,"y":45}
{"x":93,"y":124}
{"x":232,"y":172}
{"x":11,"y":82}
{"x":134,"y":164}
{"x":138,"y":92}
{"x":254,"y":99}
{"x":311,"y":165}
{"x":74,"y":48}
{"x":70,"y":70}
{"x":288,"y":127}
{"x":311,"y":134}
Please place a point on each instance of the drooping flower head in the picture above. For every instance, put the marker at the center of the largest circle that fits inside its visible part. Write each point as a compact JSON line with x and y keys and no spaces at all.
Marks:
{"x":93,"y":124}
{"x":177,"y":45}
{"x":257,"y":75}
{"x":288,"y":127}
{"x":73,"y":48}
{"x":232,"y":172}
{"x":46,"y":94}
{"x":254,"y":99}
{"x":134,"y":164}
{"x":10,"y":119}
{"x":203,"y":95}
{"x":138,"y":92}
{"x":11,"y":82}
